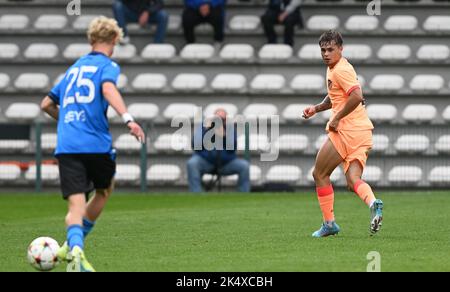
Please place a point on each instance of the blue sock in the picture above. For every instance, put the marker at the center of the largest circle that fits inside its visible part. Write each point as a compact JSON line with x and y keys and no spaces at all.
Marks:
{"x":87,"y":226}
{"x":75,"y":236}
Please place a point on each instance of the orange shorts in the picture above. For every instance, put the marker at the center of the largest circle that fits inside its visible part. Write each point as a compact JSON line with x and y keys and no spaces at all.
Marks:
{"x":352,"y":145}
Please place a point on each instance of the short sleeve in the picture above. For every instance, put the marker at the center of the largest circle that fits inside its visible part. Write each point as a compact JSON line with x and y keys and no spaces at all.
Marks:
{"x":348,"y":80}
{"x":110,"y":73}
{"x":55,"y":93}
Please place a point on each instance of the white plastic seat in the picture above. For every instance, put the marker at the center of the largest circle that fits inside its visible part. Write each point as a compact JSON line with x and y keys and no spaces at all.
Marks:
{"x":158,"y":52}
{"x":393,"y":52}
{"x":13,"y":21}
{"x":122,"y":81}
{"x":382,"y":112}
{"x":310,"y":52}
{"x":126,"y":142}
{"x":231,"y":109}
{"x":292,"y":143}
{"x":419,"y":113}
{"x":49,"y":141}
{"x":334,"y":177}
{"x":446,"y":114}
{"x":163,"y":173}
{"x":412,"y":144}
{"x":174,"y":22}
{"x":75,"y":51}
{"x":149,"y":82}
{"x":260,"y":110}
{"x":387,"y":83}
{"x":400,"y":23}
{"x":439,"y":175}
{"x":229,"y":83}
{"x":9,"y":172}
{"x":124,"y":52}
{"x":196,"y":52}
{"x":14,"y":145}
{"x":82,"y":22}
{"x":258,"y":142}
{"x":41,"y":52}
{"x":255,"y":176}
{"x":308,"y":83}
{"x":443,"y":144}
{"x":372,"y":174}
{"x":32,"y":81}
{"x":127,"y":173}
{"x":405,"y":175}
{"x":433,"y":53}
{"x":9,"y":51}
{"x":268,"y":82}
{"x":237,"y":52}
{"x":320,"y":141}
{"x":22,"y":111}
{"x":176,"y":110}
{"x":437,"y":23}
{"x":362,"y":23}
{"x":357,"y":52}
{"x":144,"y":111}
{"x":50,"y":22}
{"x":275,"y":52}
{"x":172,"y":142}
{"x":4,"y":80}
{"x":244,"y":22}
{"x":380,"y":143}
{"x":293,"y":112}
{"x":427,"y":83}
{"x":362,"y":80}
{"x":284,"y":173}
{"x":322,"y":22}
{"x":49,"y":173}
{"x":189,"y":82}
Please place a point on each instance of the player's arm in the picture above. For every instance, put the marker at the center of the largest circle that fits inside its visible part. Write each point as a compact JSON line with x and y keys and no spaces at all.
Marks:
{"x":312,"y":110}
{"x":50,"y":107}
{"x":354,"y":99}
{"x":114,"y":98}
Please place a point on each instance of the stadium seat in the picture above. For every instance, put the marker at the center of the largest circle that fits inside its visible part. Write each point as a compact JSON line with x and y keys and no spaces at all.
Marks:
{"x":126,"y":142}
{"x":260,"y":110}
{"x":427,"y":83}
{"x":335,"y":176}
{"x":308,"y":83}
{"x":82,"y":22}
{"x":412,"y":144}
{"x":310,"y":52}
{"x":244,"y":22}
{"x":357,"y":52}
{"x":320,"y":141}
{"x":443,"y":144}
{"x":322,"y":22}
{"x":124,"y":52}
{"x":50,"y":22}
{"x":143,"y":111}
{"x":394,"y":53}
{"x":160,"y":173}
{"x":22,"y":111}
{"x":400,"y":23}
{"x":439,"y":175}
{"x":174,"y":22}
{"x":9,"y":172}
{"x":229,"y":83}
{"x":237,"y":52}
{"x":268,"y":82}
{"x":32,"y":82}
{"x":9,"y":51}
{"x":158,"y":52}
{"x":173,"y":142}
{"x":433,"y":53}
{"x":14,"y":145}
{"x":150,"y":82}
{"x":177,"y":110}
{"x":293,"y":112}
{"x":41,"y":52}
{"x":197,"y":52}
{"x":387,"y":83}
{"x":437,"y":23}
{"x":446,"y":114}
{"x":380,"y":143}
{"x":362,"y":80}
{"x":291,"y":143}
{"x":255,"y":176}
{"x":127,"y":173}
{"x":362,"y":23}
{"x":419,"y":113}
{"x":13,"y":21}
{"x":284,"y":173}
{"x":405,"y":175}
{"x":49,"y":173}
{"x":382,"y":112}
{"x":189,"y":82}
{"x":49,"y":141}
{"x":231,"y":109}
{"x":4,"y":81}
{"x":275,"y":52}
{"x":258,"y":143}
{"x":122,"y":81}
{"x":75,"y":51}
{"x":372,"y":174}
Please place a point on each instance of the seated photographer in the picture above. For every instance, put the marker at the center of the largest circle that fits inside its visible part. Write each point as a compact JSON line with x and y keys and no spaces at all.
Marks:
{"x":209,"y":158}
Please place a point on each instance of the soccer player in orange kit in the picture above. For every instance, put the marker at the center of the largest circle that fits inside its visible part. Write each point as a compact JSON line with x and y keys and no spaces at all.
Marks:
{"x":349,"y":136}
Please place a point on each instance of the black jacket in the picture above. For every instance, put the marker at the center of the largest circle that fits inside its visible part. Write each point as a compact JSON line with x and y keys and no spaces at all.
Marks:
{"x":140,"y":6}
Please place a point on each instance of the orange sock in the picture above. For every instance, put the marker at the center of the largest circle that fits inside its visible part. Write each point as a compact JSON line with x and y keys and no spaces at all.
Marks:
{"x":326,"y":201}
{"x":364,"y":191}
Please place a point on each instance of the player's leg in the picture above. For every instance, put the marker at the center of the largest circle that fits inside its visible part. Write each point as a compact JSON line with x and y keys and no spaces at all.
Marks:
{"x":95,"y":207}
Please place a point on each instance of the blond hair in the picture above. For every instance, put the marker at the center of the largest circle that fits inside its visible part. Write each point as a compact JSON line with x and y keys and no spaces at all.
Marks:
{"x":104,"y":30}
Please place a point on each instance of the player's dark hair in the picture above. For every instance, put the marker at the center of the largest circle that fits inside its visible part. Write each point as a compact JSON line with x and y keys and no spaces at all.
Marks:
{"x":331,"y":36}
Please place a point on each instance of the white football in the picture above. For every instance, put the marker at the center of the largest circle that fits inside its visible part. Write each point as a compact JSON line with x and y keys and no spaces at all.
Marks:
{"x":42,"y":253}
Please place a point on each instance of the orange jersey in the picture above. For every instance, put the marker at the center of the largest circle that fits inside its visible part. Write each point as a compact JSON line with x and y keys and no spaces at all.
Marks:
{"x":342,"y":80}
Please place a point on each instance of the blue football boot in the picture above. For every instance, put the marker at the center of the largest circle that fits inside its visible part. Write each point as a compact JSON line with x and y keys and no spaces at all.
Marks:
{"x":376,"y":216}
{"x":326,"y":230}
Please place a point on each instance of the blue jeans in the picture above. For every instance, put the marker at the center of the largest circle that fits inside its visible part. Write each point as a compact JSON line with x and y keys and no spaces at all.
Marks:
{"x":124,"y":15}
{"x":197,"y":166}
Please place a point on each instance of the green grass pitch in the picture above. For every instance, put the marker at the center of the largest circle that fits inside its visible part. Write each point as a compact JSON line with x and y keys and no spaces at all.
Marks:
{"x":235,"y":232}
